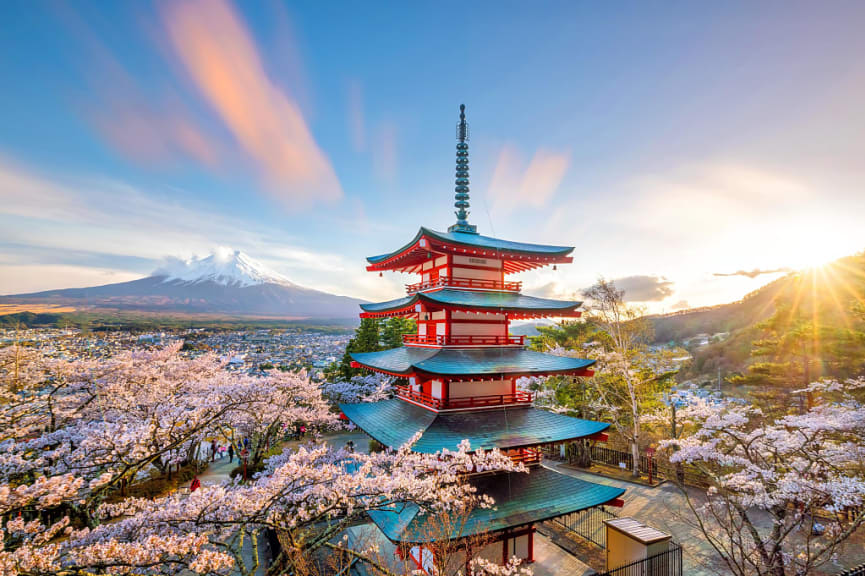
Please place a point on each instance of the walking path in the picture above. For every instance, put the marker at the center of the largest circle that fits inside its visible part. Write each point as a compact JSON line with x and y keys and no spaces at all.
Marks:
{"x":216,"y":473}
{"x":664,"y":507}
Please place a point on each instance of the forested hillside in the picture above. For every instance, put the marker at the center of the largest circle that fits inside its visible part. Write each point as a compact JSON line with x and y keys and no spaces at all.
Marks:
{"x":803,"y":326}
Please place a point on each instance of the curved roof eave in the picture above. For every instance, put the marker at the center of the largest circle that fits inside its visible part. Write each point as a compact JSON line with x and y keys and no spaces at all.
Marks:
{"x":468,"y":362}
{"x":477,"y":241}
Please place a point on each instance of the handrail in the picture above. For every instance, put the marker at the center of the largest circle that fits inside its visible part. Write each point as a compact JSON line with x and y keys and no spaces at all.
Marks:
{"x":527,"y":456}
{"x":466,"y":340}
{"x":479,"y":283}
{"x":520,"y":397}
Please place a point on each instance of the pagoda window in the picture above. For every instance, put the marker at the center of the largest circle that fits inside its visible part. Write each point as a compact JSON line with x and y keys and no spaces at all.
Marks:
{"x":436,"y":389}
{"x":421,"y":329}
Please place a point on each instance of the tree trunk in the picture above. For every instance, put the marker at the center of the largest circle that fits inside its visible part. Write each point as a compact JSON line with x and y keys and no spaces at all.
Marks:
{"x":580,"y":453}
{"x":635,"y":455}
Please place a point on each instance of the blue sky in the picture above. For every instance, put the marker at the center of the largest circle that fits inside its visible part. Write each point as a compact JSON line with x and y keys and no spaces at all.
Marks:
{"x":667,"y":142}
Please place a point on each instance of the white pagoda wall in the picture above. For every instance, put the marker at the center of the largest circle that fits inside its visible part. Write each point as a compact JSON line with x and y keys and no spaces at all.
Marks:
{"x":481,"y":268}
{"x":465,"y":389}
{"x":485,"y":328}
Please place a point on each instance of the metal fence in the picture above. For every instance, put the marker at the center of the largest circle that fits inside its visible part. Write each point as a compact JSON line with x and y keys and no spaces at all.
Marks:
{"x":857,"y":571}
{"x":667,"y":563}
{"x":588,"y":524}
{"x":661,"y":467}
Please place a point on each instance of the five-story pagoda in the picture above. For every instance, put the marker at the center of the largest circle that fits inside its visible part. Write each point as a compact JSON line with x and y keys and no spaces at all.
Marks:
{"x":462,"y":367}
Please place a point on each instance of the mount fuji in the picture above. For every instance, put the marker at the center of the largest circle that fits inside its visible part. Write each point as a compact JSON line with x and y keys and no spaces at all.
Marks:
{"x":225,"y":282}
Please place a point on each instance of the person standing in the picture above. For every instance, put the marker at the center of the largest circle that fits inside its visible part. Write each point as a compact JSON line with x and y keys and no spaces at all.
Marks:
{"x":196,"y":484}
{"x":213,"y":450}
{"x":231,"y":452}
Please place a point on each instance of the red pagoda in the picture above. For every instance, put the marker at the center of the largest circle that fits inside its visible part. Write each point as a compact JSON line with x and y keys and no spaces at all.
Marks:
{"x":461,"y":369}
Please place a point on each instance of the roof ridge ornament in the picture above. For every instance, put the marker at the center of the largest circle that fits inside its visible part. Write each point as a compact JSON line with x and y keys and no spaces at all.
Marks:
{"x":461,"y":189}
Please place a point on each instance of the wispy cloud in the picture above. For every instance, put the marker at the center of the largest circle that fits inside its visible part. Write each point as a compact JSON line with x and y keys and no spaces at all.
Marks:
{"x":644,"y":288}
{"x":515,"y":184}
{"x":221,"y":59}
{"x":65,"y":226}
{"x":753,"y":273}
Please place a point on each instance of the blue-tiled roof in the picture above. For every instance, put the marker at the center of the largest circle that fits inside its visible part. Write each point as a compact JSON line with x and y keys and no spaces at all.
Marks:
{"x":397,"y":360}
{"x":469,"y":361}
{"x":520,"y":499}
{"x":394,"y":422}
{"x":390,"y":304}
{"x":482,"y":242}
{"x":496,"y":300}
{"x":477,"y":299}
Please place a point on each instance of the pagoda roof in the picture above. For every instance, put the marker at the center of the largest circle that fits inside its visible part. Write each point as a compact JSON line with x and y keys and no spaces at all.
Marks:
{"x":490,"y":301}
{"x":520,"y":499}
{"x":406,"y":360}
{"x":394,"y":422}
{"x":519,"y":256}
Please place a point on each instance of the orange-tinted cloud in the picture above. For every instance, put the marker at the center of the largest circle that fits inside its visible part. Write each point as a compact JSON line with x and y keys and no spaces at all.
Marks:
{"x":151,"y":134}
{"x":514,"y":184}
{"x":223,"y":63}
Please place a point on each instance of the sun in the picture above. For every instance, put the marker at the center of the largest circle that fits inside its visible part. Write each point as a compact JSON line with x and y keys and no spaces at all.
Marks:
{"x":811,"y":257}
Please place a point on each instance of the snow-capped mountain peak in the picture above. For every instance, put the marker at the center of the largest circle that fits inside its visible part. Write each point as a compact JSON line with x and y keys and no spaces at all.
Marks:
{"x":224,"y":266}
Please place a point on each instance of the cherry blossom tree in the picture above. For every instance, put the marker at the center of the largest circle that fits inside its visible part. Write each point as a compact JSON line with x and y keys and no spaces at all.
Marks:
{"x":630,"y":376}
{"x":309,"y":497}
{"x":783,"y":496}
{"x":366,"y":388}
{"x":76,"y":433}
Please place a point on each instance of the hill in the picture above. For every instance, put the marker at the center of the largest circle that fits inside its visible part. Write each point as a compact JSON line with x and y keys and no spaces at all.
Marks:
{"x":817,"y":314}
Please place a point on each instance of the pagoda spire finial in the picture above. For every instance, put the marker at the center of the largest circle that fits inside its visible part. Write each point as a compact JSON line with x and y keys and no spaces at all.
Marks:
{"x":461,"y":190}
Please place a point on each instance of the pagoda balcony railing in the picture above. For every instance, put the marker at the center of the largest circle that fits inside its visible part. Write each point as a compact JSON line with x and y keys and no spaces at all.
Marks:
{"x":520,"y":397}
{"x":474,"y":340}
{"x":527,"y":456}
{"x":476,"y":283}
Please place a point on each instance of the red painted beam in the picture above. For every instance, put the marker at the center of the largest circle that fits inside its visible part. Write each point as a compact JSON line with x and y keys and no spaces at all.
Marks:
{"x":599,"y":437}
{"x":617,"y":502}
{"x":355,"y":364}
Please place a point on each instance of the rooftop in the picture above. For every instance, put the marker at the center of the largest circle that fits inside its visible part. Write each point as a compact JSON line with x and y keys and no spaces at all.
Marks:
{"x":484,"y":300}
{"x":520,"y":499}
{"x":502,"y":361}
{"x":394,"y":422}
{"x":518,"y":256}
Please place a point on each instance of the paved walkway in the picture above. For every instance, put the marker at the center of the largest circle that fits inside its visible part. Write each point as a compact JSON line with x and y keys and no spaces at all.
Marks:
{"x":216,"y":473}
{"x":664,"y":507}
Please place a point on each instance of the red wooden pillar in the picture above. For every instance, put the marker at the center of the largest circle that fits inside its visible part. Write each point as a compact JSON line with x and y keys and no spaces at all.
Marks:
{"x":531,"y":544}
{"x":650,"y":453}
